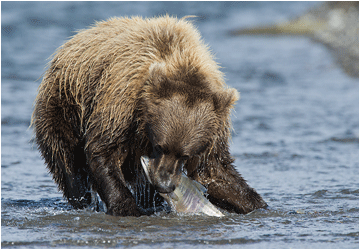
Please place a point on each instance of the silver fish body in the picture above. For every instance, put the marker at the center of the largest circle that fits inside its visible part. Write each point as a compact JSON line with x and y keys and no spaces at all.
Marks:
{"x":188,"y":197}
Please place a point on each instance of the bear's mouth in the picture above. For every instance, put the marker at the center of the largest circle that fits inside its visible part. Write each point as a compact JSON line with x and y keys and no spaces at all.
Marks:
{"x":165,"y":178}
{"x":145,"y":162}
{"x":188,"y":196}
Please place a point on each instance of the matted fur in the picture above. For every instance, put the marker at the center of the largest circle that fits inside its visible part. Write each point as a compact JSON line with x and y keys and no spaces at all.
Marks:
{"x":100,"y":89}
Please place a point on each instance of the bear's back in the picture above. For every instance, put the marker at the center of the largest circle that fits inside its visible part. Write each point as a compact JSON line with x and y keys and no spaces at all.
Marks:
{"x":111,"y":61}
{"x":123,"y":49}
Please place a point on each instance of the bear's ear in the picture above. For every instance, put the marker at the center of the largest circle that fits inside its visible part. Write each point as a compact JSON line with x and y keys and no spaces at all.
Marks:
{"x":157,"y":73}
{"x":232,"y":96}
{"x":226,"y":100}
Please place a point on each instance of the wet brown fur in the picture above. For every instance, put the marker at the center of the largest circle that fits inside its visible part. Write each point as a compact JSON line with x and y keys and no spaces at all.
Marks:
{"x":128,"y":87}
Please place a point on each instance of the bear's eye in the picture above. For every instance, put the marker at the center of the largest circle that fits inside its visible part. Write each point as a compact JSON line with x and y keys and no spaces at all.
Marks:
{"x":158,"y":149}
{"x":185,"y":157}
{"x":201,"y":149}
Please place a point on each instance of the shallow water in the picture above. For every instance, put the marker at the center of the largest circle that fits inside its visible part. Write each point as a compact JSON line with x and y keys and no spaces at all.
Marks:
{"x":295,"y":138}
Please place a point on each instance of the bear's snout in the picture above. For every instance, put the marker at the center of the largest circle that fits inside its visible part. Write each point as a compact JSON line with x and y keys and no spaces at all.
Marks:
{"x":163,"y":174}
{"x":166,"y":179}
{"x":165,"y":185}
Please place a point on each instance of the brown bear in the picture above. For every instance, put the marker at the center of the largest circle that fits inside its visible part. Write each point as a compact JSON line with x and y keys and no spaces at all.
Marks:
{"x":129,"y":87}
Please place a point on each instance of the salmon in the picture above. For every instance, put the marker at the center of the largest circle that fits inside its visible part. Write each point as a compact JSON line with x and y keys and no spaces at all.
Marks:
{"x":188,"y":196}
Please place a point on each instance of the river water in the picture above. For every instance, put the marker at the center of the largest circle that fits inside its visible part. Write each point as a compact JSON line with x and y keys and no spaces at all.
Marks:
{"x":295,"y":138}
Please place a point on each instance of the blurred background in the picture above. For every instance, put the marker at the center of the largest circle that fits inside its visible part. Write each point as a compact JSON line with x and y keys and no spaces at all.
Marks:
{"x":295,"y":137}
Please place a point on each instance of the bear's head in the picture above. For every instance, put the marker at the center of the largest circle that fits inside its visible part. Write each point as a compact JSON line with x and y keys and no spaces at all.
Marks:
{"x":183,"y":116}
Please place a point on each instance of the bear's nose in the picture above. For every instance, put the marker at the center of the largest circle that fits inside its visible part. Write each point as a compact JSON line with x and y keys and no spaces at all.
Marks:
{"x":165,"y":182}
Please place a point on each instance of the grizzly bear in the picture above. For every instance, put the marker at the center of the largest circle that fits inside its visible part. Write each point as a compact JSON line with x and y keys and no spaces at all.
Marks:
{"x":132,"y":87}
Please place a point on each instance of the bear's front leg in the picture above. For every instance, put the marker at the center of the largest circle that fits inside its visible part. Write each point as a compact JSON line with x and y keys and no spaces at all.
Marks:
{"x":234,"y":195}
{"x":226,"y":188}
{"x":109,"y":184}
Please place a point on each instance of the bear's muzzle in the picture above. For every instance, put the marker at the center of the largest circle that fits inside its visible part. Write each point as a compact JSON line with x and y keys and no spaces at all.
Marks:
{"x":163,"y":175}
